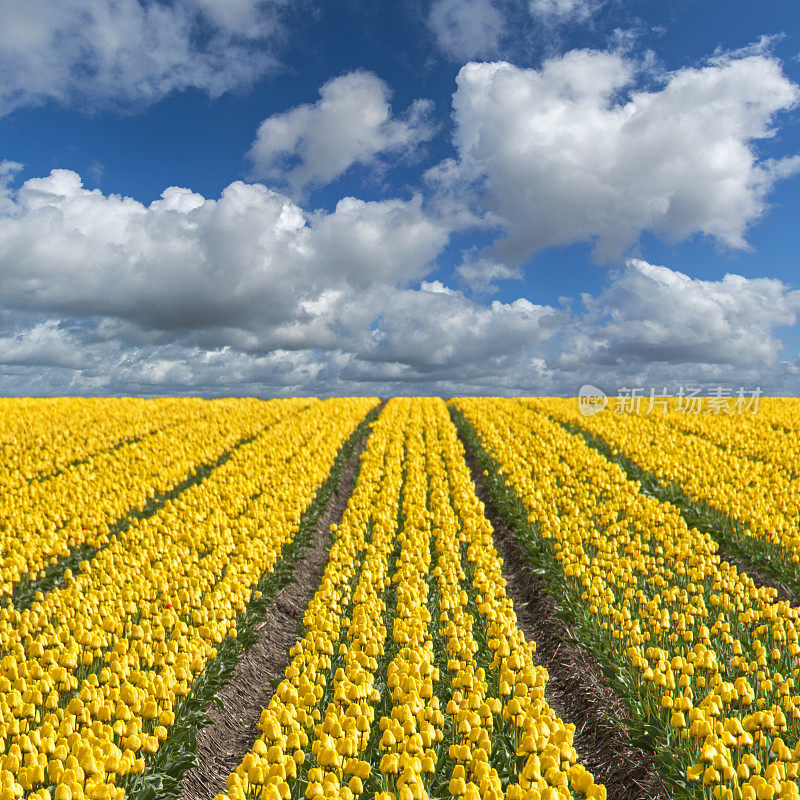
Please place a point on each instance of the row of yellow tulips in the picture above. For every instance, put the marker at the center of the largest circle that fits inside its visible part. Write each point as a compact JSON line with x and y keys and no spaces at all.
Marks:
{"x":762,"y":494}
{"x":41,"y":436}
{"x":353,"y":581}
{"x":770,"y":433}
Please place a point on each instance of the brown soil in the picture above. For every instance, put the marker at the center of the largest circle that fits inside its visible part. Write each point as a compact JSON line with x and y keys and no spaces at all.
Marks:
{"x":759,"y":578}
{"x":222,"y":745}
{"x":576,"y":688}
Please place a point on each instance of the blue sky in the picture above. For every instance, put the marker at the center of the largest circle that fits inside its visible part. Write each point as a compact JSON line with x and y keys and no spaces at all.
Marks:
{"x":427,"y":196}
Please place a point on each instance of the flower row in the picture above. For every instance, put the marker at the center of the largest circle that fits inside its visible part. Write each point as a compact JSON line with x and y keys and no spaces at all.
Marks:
{"x":42,"y":436}
{"x":760,"y":491}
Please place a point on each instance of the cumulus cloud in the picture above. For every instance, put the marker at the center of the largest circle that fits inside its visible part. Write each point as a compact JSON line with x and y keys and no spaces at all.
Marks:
{"x":436,"y":331}
{"x":94,"y":365}
{"x":467,"y":29}
{"x":131,"y":51}
{"x":650,"y":326}
{"x":655,"y":314}
{"x":8,"y":170}
{"x":573,"y":152}
{"x":562,"y":11}
{"x":249,"y":293}
{"x":247,"y":261}
{"x":656,"y":328}
{"x":243,"y":293}
{"x":251,"y":260}
{"x":351,"y":123}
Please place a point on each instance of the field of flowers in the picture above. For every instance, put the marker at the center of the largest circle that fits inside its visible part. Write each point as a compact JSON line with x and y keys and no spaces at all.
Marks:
{"x":144,"y":541}
{"x":707,"y":660}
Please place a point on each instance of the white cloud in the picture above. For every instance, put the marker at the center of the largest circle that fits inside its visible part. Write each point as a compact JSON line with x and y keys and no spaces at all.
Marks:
{"x":436,"y":287}
{"x":392,"y":241}
{"x":251,"y":19}
{"x":351,"y":123}
{"x":8,"y":170}
{"x":650,"y":327}
{"x":656,"y":328}
{"x":467,"y":29}
{"x":431,"y":333}
{"x":246,"y":262}
{"x":562,"y":11}
{"x":247,"y":293}
{"x":131,"y":51}
{"x":443,"y":335}
{"x":654,"y":314}
{"x":478,"y":273}
{"x":573,"y":152}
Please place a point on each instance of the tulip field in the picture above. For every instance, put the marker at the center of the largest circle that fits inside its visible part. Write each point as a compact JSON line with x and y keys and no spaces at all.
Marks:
{"x":144,"y":543}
